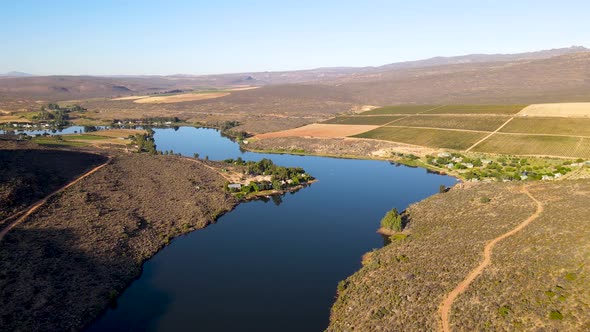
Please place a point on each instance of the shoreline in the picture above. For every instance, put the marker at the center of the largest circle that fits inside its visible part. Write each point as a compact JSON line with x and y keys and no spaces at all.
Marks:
{"x":422,"y":165}
{"x":266,"y":193}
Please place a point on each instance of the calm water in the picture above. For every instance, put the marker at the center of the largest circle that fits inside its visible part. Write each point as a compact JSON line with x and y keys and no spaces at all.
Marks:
{"x":62,"y":131}
{"x":267,"y":266}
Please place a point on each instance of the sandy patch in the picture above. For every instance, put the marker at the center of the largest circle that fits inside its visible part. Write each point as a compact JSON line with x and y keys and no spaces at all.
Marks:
{"x":11,"y":118}
{"x":180,"y":98}
{"x":573,"y":110}
{"x":130,"y":98}
{"x":366,"y":108}
{"x":320,"y":130}
{"x":244,"y":88}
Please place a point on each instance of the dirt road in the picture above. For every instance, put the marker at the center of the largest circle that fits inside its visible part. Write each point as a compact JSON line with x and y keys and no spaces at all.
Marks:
{"x":490,"y":135}
{"x":446,"y":305}
{"x":40,"y":203}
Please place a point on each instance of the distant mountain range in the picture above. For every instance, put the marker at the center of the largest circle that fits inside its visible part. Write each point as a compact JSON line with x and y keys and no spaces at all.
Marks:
{"x":549,"y":75}
{"x":15,"y":74}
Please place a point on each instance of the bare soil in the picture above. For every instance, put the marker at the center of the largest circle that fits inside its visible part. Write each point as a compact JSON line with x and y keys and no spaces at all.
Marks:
{"x":567,"y":110}
{"x":320,"y":130}
{"x":180,"y":98}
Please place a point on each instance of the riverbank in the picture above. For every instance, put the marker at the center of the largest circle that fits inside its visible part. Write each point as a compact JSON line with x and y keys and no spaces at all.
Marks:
{"x":273,"y":192}
{"x":348,"y":148}
{"x":99,"y":231}
{"x":536,"y":278}
{"x":475,"y":167}
{"x":96,"y":235}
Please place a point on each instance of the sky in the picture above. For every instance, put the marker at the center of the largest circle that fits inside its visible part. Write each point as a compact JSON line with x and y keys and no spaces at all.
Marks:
{"x":123,"y":37}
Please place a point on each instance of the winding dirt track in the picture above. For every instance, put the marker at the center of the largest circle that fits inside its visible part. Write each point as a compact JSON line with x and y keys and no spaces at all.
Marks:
{"x":446,"y":305}
{"x":40,"y":203}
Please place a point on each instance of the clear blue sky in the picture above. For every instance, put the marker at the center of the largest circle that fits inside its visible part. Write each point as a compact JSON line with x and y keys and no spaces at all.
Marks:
{"x":219,"y":36}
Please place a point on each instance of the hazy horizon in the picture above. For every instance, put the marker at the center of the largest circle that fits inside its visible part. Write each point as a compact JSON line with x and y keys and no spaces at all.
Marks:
{"x":197,"y":38}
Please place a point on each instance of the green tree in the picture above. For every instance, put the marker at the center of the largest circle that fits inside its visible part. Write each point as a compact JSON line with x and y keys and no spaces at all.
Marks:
{"x":392,"y":221}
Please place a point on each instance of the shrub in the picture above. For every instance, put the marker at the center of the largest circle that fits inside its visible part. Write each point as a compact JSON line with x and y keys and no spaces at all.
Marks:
{"x":555,"y":315}
{"x":392,"y":220}
{"x":485,"y":200}
{"x":342,"y":285}
{"x":398,"y":237}
{"x":504,"y":311}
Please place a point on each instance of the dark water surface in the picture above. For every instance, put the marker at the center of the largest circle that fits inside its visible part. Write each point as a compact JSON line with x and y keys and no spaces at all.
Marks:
{"x":267,"y":266}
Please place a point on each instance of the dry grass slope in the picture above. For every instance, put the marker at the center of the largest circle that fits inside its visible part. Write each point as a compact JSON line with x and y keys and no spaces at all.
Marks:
{"x":539,"y":278}
{"x":401,"y":285}
{"x":58,"y":273}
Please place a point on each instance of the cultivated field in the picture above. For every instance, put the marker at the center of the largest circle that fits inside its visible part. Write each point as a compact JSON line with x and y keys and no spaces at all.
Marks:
{"x":171,"y":99}
{"x":407,"y":109}
{"x":561,"y":146}
{"x":461,"y":126}
{"x":477,"y":109}
{"x":482,"y":123}
{"x":320,"y":130}
{"x":363,"y":120}
{"x":558,"y":109}
{"x":437,"y":138}
{"x":551,"y":126}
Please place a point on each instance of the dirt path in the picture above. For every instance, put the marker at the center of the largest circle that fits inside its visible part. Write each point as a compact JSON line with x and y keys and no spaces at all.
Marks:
{"x":40,"y":203}
{"x":490,"y":135}
{"x":446,"y":305}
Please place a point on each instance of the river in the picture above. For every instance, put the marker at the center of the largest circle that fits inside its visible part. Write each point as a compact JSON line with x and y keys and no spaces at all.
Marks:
{"x":269,"y":265}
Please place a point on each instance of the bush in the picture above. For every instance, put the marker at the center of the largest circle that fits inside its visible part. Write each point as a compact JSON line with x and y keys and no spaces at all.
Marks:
{"x":392,"y":221}
{"x":398,"y":237}
{"x":504,"y":311}
{"x":485,"y":200}
{"x":555,"y":315}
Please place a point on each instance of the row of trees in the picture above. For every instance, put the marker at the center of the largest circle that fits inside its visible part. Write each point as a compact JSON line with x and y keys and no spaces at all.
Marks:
{"x":56,"y":115}
{"x":66,"y":109}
